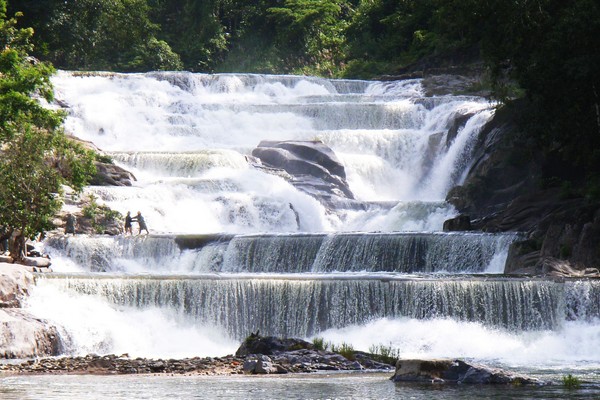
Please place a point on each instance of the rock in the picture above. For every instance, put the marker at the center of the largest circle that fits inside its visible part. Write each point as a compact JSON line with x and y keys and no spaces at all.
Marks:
{"x":460,"y":223}
{"x":268,"y":345}
{"x":512,"y":186}
{"x":39,"y":262}
{"x":111,"y":175}
{"x":314,"y":167}
{"x":15,"y":283}
{"x":270,"y":355}
{"x":112,"y":364}
{"x":455,"y":371}
{"x":6,"y":259}
{"x":564,"y":269}
{"x":24,"y":336}
{"x":260,"y":364}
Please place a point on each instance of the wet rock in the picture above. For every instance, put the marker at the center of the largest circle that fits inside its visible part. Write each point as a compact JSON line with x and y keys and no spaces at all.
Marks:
{"x":38,"y":262}
{"x":460,"y":223}
{"x":564,"y":269}
{"x":268,"y":345}
{"x":312,"y":166}
{"x":455,"y":371}
{"x":260,"y":364}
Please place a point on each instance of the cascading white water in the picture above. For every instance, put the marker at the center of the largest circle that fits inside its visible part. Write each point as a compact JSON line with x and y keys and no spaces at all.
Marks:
{"x":187,"y":137}
{"x":260,"y":254}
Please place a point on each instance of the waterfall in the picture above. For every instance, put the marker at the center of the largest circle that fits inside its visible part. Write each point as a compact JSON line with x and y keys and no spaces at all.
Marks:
{"x":303,"y":306}
{"x":285,"y":253}
{"x":235,"y":246}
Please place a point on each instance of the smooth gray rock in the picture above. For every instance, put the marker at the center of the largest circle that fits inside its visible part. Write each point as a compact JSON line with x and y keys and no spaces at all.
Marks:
{"x":311,"y":166}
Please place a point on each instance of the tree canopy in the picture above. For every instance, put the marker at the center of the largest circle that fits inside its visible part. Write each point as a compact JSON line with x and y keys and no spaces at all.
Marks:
{"x":35,"y":156}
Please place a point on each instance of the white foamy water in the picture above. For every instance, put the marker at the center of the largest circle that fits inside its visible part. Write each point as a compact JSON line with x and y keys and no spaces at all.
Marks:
{"x":575,"y":344}
{"x":170,"y":127}
{"x":90,"y":325}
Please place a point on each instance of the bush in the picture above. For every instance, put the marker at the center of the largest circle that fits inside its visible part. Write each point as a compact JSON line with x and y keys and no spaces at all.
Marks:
{"x":571,"y":382}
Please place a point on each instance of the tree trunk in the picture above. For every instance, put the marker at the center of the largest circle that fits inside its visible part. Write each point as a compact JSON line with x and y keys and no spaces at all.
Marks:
{"x":16,"y":246}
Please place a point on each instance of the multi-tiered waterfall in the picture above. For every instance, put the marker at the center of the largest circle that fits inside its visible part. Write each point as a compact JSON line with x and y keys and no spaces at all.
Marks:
{"x":234,"y":248}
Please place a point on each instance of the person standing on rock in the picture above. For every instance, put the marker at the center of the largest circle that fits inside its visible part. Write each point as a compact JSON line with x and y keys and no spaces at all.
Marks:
{"x":128,"y":221}
{"x":70,"y":225}
{"x":141,"y":223}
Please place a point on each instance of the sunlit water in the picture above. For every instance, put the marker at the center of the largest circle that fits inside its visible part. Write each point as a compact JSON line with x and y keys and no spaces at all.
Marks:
{"x":280,"y":261}
{"x":317,"y":386}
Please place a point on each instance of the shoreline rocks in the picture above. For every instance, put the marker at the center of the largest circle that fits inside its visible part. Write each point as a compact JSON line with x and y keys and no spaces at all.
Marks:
{"x":93,"y":364}
{"x":272,"y":355}
{"x":456,"y":371}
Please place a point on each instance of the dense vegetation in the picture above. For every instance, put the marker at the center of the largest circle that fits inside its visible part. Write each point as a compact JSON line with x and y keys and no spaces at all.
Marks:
{"x":35,"y":156}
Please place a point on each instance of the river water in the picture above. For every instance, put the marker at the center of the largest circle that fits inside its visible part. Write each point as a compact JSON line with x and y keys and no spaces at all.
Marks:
{"x":317,"y":386}
{"x":234,"y":249}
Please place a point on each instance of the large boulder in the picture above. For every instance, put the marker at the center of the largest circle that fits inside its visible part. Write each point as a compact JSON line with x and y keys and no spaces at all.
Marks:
{"x":269,"y":345}
{"x":314,"y":168}
{"x":455,"y":371}
{"x":21,"y":334}
{"x":15,"y":283}
{"x":24,"y":336}
{"x":108,"y":174}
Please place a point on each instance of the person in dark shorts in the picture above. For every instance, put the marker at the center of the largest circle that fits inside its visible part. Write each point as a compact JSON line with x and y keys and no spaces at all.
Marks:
{"x":128,"y":221}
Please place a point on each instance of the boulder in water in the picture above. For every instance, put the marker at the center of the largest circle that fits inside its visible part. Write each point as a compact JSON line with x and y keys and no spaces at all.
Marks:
{"x":269,"y":345}
{"x":24,"y":336}
{"x":455,"y":371}
{"x":15,"y":282}
{"x":313,"y":166}
{"x":21,"y":334}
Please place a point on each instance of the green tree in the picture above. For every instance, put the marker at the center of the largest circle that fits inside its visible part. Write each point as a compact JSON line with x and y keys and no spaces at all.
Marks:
{"x":314,"y":32}
{"x":551,"y":48}
{"x":32,"y":142}
{"x":115,"y":35}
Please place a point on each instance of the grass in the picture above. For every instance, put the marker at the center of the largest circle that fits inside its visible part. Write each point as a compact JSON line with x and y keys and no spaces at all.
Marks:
{"x":385,"y":354}
{"x":571,"y":382}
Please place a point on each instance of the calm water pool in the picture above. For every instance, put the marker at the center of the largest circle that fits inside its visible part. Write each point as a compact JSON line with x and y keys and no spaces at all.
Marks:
{"x":317,"y":386}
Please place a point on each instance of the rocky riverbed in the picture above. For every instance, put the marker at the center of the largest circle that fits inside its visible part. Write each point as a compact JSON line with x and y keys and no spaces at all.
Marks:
{"x":277,"y":356}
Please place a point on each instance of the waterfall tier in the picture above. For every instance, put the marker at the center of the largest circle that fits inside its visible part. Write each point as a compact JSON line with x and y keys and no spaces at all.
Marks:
{"x":292,"y":253}
{"x":293,"y":306}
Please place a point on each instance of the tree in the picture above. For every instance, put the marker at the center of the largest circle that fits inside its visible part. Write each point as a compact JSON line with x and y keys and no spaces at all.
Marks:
{"x":313,"y":30}
{"x":32,"y":142}
{"x":552,"y":50}
{"x":114,"y":35}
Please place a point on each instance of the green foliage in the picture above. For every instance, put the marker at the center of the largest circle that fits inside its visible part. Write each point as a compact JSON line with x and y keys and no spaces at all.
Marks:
{"x":29,"y":197}
{"x":99,"y":216}
{"x":36,"y":156}
{"x":385,"y":354}
{"x":344,"y":349}
{"x":312,"y":31}
{"x":100,"y":35}
{"x":571,"y":382}
{"x":320,"y":343}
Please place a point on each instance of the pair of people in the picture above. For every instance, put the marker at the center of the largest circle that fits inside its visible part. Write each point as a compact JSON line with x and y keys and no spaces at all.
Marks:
{"x":139,"y":219}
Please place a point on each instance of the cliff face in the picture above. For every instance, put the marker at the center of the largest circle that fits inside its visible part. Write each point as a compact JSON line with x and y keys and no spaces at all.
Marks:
{"x":513,"y":187}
